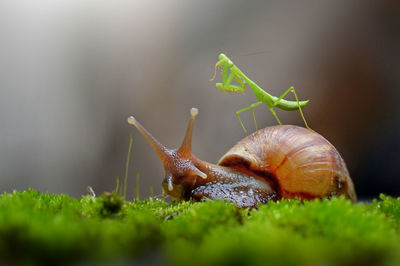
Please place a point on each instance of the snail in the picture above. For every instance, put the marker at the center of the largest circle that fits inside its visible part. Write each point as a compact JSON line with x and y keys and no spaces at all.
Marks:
{"x":276,"y":162}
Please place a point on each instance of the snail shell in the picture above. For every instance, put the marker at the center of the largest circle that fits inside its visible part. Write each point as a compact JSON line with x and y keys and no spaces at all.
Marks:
{"x":296,"y":161}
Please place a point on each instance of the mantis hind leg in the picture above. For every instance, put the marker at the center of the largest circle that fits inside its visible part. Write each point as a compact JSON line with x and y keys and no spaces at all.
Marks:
{"x":298,"y":104}
{"x":245,"y":109}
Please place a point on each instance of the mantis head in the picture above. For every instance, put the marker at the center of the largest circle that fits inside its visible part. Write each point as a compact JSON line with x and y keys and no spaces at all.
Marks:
{"x":224,"y":62}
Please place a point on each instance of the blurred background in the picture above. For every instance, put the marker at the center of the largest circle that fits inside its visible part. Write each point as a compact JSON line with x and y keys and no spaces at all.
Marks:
{"x":71,"y":72}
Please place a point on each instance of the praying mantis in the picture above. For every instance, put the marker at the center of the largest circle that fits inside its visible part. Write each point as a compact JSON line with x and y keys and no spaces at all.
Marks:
{"x":262,"y":96}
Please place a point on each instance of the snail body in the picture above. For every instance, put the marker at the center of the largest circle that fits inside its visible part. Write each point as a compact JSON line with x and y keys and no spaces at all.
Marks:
{"x":273,"y":163}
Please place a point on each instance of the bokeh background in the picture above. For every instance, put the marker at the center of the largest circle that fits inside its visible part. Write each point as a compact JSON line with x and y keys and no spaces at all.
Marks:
{"x":71,"y":72}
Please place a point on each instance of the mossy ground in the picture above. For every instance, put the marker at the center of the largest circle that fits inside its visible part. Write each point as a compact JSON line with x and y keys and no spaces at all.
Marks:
{"x":37,"y":228}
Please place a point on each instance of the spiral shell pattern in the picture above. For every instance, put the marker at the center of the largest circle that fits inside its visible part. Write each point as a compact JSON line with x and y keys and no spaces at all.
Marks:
{"x":296,"y":161}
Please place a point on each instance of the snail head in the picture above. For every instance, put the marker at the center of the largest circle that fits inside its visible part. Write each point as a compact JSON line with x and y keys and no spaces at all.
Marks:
{"x":178,"y":163}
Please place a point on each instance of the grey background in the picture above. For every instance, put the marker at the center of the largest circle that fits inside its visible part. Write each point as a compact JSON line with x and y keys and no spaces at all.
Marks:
{"x":71,"y":72}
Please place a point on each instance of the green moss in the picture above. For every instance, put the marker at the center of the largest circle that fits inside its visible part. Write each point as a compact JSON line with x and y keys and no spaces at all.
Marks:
{"x":390,"y":207}
{"x":38,"y":228}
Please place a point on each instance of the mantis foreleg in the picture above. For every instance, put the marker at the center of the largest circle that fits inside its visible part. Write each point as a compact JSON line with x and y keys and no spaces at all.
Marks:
{"x":227,"y":86}
{"x":240,"y":82}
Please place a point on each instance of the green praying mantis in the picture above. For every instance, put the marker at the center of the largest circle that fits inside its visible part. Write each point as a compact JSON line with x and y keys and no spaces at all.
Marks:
{"x":231,"y":72}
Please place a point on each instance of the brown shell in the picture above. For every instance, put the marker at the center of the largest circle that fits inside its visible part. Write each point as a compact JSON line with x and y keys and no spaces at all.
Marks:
{"x":299,"y":162}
